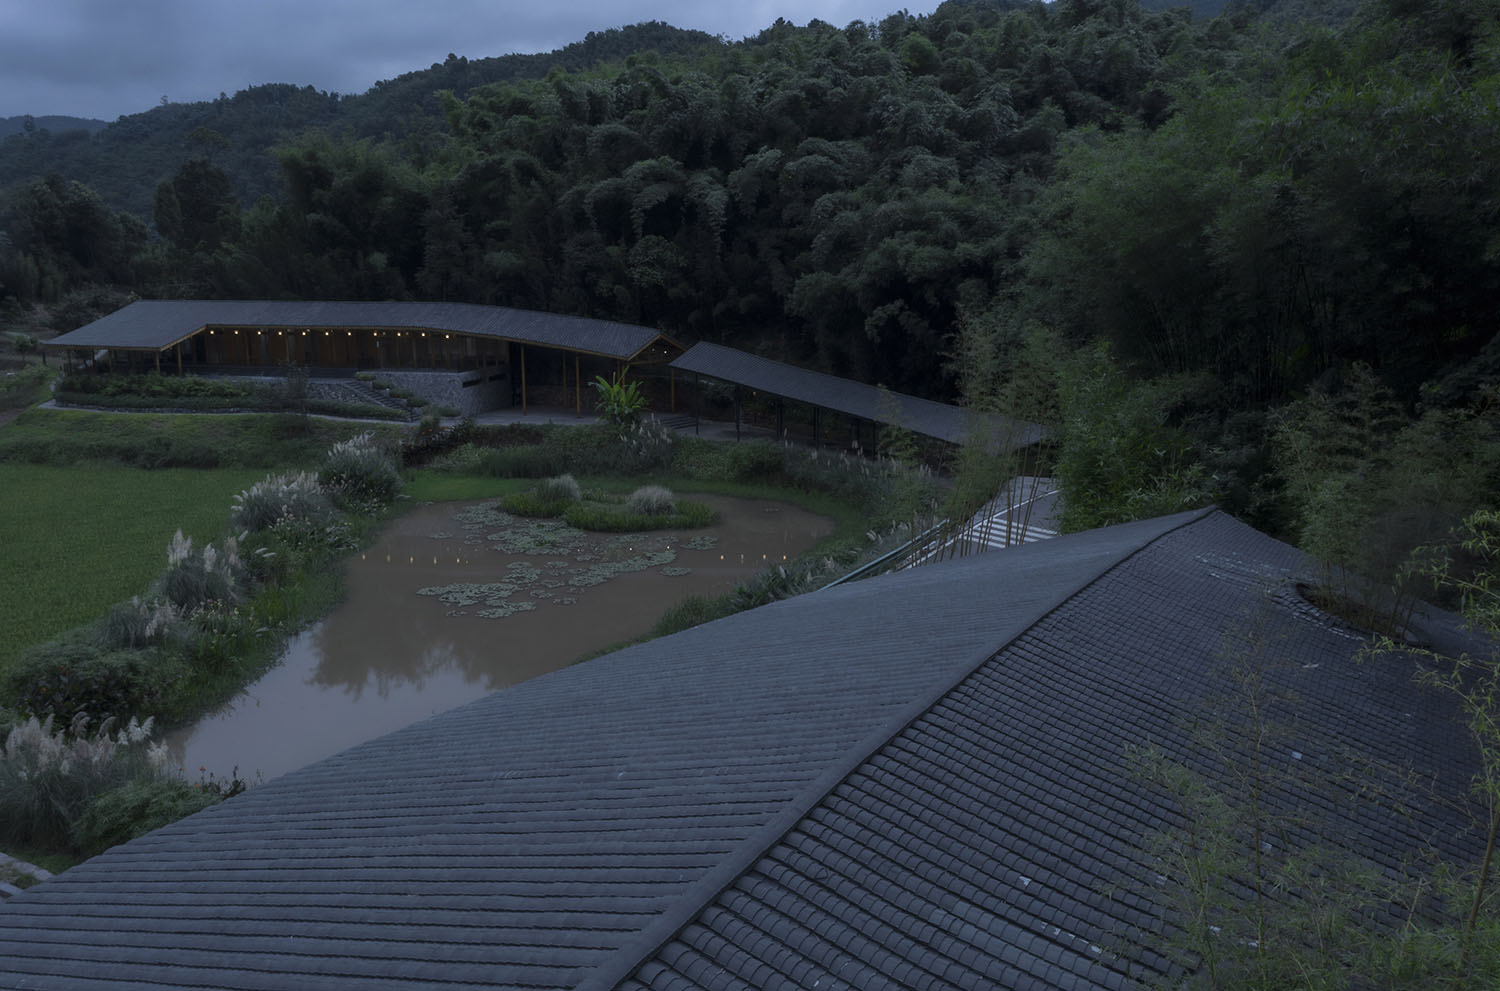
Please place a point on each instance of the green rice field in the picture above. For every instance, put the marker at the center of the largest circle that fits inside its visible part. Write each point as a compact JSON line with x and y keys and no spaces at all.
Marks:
{"x":73,"y":541}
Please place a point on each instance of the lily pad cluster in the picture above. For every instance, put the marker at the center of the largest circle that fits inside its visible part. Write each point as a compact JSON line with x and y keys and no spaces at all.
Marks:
{"x":574,"y":560}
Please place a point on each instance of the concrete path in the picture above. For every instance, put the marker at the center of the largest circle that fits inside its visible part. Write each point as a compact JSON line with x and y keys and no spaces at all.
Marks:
{"x":16,"y":875}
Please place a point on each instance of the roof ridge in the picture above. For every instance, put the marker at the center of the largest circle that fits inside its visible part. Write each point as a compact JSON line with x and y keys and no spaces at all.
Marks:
{"x":621,"y":964}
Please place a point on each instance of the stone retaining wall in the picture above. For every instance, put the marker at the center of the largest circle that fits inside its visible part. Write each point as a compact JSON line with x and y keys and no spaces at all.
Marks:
{"x":471,"y":392}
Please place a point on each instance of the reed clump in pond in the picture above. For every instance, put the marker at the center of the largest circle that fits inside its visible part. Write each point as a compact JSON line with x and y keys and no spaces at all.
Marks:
{"x":650,"y":507}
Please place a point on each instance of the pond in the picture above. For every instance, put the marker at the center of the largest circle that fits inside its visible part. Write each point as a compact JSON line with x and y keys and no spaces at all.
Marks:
{"x":457,"y":600}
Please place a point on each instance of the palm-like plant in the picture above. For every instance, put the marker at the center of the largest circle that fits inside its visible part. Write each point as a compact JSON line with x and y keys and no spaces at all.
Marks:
{"x":620,"y":402}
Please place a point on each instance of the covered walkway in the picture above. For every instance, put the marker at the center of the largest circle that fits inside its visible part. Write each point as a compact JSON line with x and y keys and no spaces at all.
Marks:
{"x":173,"y":335}
{"x":863,"y":403}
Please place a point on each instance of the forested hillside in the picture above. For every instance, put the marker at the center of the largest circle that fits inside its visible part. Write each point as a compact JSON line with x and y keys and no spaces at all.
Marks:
{"x":123,"y":161}
{"x":802,"y":183}
{"x":30,"y":125}
{"x":1179,"y":229}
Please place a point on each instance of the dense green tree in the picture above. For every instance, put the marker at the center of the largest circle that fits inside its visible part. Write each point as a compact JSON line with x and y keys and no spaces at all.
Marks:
{"x":1202,"y":194}
{"x":1122,"y":454}
{"x":61,"y":235}
{"x":196,"y":209}
{"x":1337,"y":205}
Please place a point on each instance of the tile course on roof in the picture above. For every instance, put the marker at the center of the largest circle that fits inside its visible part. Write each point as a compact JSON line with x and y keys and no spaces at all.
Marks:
{"x":914,"y":781}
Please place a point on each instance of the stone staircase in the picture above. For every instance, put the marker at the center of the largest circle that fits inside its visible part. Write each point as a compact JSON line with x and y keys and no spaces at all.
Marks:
{"x":358,"y":391}
{"x":676,"y":421}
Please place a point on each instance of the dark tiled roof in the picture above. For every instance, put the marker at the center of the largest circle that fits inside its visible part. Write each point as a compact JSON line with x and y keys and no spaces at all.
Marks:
{"x":923,"y":416}
{"x":915,"y":781}
{"x":157,"y":324}
{"x":987,"y":844}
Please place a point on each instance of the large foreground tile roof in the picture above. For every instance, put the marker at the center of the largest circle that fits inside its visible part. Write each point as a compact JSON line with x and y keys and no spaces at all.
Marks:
{"x":917,"y":781}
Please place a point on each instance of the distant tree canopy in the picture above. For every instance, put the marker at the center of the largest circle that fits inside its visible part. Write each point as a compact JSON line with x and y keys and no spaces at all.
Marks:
{"x":196,"y":209}
{"x":1262,"y":205}
{"x":1339,"y":203}
{"x":841,"y":193}
{"x":57,"y":234}
{"x":125,"y":160}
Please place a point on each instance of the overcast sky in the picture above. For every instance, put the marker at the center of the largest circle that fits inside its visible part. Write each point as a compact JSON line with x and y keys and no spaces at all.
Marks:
{"x":105,"y":58}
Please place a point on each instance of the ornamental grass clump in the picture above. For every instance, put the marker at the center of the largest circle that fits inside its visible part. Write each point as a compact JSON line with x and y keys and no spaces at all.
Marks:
{"x":549,"y":498}
{"x":84,"y":792}
{"x":648,"y":445}
{"x":563,"y":488}
{"x":295,"y":496}
{"x":652,"y":500}
{"x":195,"y":579}
{"x":357,"y":472}
{"x":138,"y":623}
{"x":48,"y":776}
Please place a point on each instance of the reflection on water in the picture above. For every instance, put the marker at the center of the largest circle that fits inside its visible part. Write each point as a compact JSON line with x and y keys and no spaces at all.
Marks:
{"x":458,"y":600}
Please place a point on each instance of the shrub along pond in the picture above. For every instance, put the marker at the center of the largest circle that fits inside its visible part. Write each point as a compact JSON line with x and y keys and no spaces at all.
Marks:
{"x":457,"y":600}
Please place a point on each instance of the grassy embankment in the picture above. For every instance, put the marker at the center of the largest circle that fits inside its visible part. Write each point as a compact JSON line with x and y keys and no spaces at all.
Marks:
{"x":79,"y":539}
{"x":25,"y":386}
{"x":146,"y":440}
{"x":85,"y":525}
{"x":88,"y":527}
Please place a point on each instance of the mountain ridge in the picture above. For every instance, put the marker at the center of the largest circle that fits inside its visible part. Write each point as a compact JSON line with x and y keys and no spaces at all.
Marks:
{"x":124,"y":160}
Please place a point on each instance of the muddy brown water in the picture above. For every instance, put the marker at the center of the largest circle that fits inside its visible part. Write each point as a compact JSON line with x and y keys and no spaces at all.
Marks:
{"x":457,"y":600}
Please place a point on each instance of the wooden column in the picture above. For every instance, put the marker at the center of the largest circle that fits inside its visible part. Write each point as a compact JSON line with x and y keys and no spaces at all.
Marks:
{"x":577,"y":388}
{"x":672,"y":378}
{"x":523,"y":380}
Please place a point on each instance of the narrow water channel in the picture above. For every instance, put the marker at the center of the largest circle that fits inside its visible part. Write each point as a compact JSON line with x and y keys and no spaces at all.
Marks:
{"x":457,"y":600}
